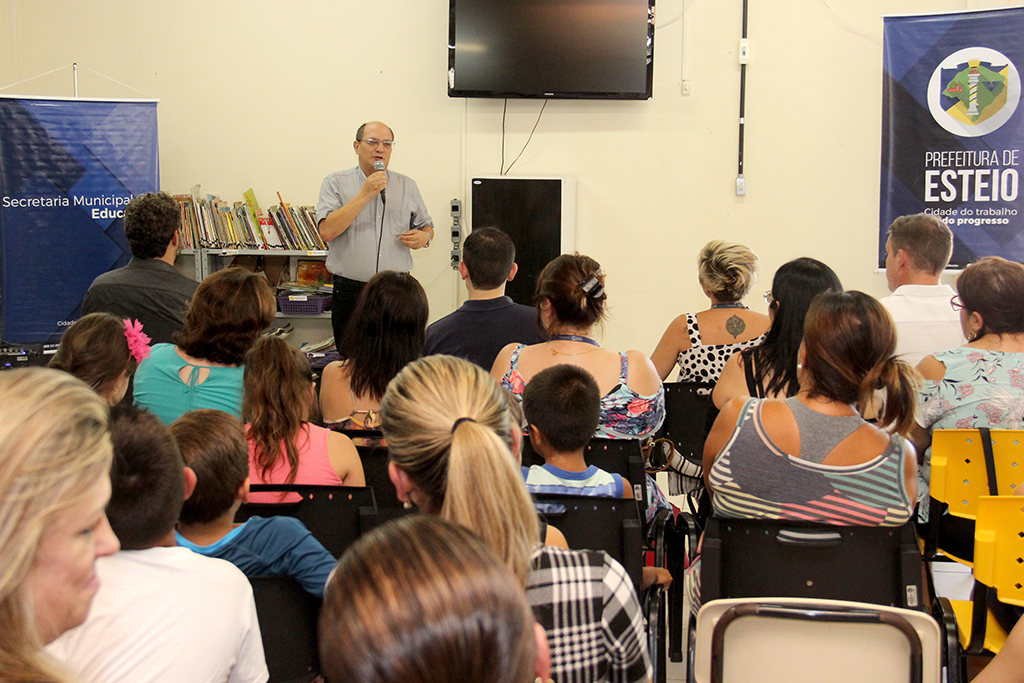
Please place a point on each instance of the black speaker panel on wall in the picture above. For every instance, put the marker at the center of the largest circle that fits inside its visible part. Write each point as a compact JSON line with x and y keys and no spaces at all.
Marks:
{"x":539,"y":214}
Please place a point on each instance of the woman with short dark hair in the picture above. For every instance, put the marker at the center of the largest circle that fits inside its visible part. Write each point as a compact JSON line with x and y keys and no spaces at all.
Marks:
{"x":228,"y":312}
{"x":980,"y":384}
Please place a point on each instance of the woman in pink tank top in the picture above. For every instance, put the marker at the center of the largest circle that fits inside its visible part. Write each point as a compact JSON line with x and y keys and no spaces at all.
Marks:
{"x":284,"y":447}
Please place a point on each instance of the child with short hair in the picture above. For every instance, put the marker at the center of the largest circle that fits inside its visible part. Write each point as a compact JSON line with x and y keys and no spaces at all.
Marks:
{"x":162,"y":613}
{"x":563,"y":406}
{"x":213,"y":444}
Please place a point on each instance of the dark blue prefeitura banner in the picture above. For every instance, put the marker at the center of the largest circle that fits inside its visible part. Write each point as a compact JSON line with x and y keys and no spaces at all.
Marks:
{"x":67,"y":169}
{"x":952,"y":131}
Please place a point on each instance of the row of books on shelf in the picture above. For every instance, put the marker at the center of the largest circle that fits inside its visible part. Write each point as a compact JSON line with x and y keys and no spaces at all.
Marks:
{"x":209,"y":222}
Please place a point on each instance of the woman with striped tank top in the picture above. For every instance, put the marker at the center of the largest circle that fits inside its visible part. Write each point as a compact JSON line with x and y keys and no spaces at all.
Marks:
{"x":812,"y":457}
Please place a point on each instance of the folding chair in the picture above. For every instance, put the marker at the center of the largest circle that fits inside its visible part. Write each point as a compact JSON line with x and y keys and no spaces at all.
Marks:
{"x":335,"y":515}
{"x":614,"y":526}
{"x":288,"y":618}
{"x":794,"y":639}
{"x":965,"y":465}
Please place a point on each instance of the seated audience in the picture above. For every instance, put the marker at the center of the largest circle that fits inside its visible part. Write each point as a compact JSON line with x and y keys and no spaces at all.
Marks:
{"x":701,"y":343}
{"x":489,"y":320}
{"x":213,"y":445}
{"x":420,"y":600}
{"x":385,"y":332}
{"x":979,"y":384}
{"x":812,"y":457}
{"x":103,"y":352}
{"x":55,"y":454}
{"x":162,"y":613}
{"x":562,"y":406}
{"x":284,"y":446}
{"x":448,"y":431}
{"x":229,"y":311}
{"x":769,"y":370}
{"x":571,"y":302}
{"x":916,"y":252}
{"x":149,"y":289}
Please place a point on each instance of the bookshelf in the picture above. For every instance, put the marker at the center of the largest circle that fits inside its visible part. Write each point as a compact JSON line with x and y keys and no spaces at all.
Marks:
{"x":212,"y":232}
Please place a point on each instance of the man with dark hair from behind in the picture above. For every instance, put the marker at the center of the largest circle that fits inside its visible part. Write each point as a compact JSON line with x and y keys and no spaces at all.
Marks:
{"x":563,"y":406}
{"x":162,"y":613}
{"x":917,"y":250}
{"x":489,"y":320}
{"x":149,"y":289}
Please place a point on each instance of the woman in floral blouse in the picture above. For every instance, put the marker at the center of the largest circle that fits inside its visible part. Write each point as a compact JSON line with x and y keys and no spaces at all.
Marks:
{"x":980,"y":384}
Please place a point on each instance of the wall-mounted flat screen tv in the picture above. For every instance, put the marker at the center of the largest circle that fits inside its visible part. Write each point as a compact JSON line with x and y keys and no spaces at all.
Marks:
{"x":561,"y":49}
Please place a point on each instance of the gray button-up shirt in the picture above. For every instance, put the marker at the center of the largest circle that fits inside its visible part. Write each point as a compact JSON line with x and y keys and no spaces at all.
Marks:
{"x":353,"y":253}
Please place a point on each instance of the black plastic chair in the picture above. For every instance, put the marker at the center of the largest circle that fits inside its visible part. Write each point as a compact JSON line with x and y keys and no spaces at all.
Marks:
{"x":335,"y":515}
{"x":614,"y":525}
{"x":288,"y":618}
{"x":750,"y":558}
{"x":689,"y":414}
{"x":746,"y":558}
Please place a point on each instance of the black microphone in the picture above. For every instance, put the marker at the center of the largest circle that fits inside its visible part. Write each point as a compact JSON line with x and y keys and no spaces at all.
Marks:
{"x":379,"y":166}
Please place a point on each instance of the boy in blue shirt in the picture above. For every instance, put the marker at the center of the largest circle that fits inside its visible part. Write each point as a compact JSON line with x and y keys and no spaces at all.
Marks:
{"x":213,"y":445}
{"x":562,"y":406}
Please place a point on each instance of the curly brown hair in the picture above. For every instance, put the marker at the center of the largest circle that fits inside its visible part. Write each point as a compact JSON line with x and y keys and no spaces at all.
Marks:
{"x":150,"y":221}
{"x":229,"y":311}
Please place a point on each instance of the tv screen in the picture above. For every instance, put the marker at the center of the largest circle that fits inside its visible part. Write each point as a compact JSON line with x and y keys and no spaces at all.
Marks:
{"x":568,"y":49}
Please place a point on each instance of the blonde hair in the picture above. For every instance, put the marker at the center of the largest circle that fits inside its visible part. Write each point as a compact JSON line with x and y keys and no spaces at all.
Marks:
{"x":727,"y":269}
{"x":54,"y":447}
{"x":420,"y":600}
{"x":447,"y":426}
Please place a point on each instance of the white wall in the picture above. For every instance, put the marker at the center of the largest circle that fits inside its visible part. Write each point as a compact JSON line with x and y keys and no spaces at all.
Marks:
{"x":267,"y":95}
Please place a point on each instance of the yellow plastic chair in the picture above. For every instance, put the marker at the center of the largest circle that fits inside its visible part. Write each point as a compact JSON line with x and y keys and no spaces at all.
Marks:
{"x":998,"y":566}
{"x":960,"y":476}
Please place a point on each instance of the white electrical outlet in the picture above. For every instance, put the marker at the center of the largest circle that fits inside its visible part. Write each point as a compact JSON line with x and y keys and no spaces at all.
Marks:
{"x":741,"y":185}
{"x":687,"y":88}
{"x":744,"y":52}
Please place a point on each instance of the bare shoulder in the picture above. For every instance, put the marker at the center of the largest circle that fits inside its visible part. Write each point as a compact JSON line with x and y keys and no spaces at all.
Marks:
{"x":502,"y":361}
{"x":643,"y":377}
{"x":931,"y":368}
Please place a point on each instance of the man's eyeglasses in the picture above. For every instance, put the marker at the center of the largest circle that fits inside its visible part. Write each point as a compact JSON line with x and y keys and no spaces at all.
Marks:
{"x":955,"y":303}
{"x":373,"y":142}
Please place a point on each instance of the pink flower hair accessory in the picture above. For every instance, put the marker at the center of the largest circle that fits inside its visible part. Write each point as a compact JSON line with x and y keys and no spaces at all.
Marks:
{"x":138,"y":341}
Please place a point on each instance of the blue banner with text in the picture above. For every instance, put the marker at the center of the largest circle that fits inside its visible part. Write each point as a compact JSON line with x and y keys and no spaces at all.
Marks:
{"x":952,"y":134}
{"x":67,"y":170}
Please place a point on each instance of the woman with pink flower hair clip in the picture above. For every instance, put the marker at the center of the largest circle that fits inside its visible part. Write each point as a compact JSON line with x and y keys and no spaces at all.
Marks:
{"x":103,"y":351}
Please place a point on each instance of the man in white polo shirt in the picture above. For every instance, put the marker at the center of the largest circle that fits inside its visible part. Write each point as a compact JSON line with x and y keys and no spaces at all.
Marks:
{"x":918,"y":249}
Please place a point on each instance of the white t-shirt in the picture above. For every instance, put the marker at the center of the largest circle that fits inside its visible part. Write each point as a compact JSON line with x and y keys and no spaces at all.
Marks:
{"x":925,"y":322}
{"x":166,"y":615}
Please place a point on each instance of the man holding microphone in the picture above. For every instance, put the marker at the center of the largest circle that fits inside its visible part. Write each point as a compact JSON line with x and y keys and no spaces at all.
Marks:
{"x":370,"y":218}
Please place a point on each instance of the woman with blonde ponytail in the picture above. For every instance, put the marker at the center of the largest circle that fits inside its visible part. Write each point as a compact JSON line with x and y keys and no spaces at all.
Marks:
{"x":812,"y":456}
{"x":449,"y":436}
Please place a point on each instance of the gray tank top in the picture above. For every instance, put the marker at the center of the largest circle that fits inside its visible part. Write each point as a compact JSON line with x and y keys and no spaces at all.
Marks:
{"x":819,"y":433}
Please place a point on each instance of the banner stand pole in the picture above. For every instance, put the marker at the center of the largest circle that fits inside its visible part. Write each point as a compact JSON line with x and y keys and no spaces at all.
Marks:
{"x":74,"y":68}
